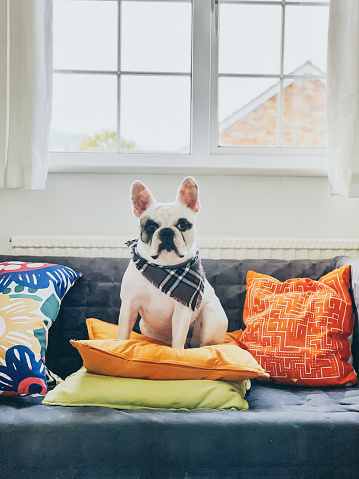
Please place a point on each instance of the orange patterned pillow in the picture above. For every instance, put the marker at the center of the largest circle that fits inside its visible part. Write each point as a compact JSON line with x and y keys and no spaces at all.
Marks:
{"x":299,"y":331}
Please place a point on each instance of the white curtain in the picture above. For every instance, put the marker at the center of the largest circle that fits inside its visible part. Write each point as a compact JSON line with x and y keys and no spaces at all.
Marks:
{"x":25,"y":92}
{"x":343,"y":98}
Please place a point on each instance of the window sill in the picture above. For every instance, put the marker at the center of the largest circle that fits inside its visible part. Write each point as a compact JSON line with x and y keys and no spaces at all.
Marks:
{"x":162,"y":164}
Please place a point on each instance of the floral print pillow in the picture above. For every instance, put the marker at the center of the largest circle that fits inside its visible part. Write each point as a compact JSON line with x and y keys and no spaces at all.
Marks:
{"x":30,"y":299}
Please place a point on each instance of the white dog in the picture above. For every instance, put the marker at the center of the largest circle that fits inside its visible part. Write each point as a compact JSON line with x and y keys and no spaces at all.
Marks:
{"x":165,"y":281}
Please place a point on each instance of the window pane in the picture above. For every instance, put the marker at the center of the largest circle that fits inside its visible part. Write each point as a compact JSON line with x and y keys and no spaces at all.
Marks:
{"x":155,"y":113}
{"x":306,"y":34}
{"x":83,"y":112}
{"x":85,"y":35}
{"x":249,"y":38}
{"x":304,"y":122}
{"x":156,"y":36}
{"x":248,"y":109}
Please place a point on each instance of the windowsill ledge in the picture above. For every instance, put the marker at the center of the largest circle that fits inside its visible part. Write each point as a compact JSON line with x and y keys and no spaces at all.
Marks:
{"x":163,"y":164}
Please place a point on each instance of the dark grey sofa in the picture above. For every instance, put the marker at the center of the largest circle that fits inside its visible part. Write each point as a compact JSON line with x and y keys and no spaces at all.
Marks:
{"x":287,"y":433}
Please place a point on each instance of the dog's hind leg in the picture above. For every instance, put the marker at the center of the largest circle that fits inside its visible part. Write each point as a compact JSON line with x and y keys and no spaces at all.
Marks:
{"x":196,"y":334}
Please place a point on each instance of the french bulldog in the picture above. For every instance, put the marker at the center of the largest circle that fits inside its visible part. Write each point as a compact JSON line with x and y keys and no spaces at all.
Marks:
{"x":164,"y":281}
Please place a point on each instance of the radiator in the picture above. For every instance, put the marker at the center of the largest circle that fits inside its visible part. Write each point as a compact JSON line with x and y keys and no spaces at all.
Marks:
{"x":213,"y":247}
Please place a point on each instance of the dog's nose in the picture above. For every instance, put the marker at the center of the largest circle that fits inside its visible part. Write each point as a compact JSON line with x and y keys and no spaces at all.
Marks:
{"x":166,"y":234}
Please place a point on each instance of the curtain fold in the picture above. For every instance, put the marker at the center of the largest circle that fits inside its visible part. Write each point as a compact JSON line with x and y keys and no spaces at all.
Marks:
{"x":25,"y":92}
{"x":343,"y":98}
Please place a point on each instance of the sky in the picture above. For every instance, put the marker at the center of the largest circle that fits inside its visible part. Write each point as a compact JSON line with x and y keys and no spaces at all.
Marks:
{"x":155,"y":111}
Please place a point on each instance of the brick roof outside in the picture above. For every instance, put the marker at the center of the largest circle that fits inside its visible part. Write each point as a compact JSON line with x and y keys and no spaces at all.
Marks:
{"x":304,"y":121}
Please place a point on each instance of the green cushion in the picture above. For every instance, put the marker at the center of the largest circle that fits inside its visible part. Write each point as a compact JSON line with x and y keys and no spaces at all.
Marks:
{"x":87,"y":389}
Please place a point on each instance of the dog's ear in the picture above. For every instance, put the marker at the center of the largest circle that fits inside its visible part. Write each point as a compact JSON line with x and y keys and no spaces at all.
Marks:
{"x":188,"y":194}
{"x":141,"y":198}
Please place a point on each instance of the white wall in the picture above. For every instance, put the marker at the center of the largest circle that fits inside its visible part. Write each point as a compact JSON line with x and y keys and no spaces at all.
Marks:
{"x":231,"y":205}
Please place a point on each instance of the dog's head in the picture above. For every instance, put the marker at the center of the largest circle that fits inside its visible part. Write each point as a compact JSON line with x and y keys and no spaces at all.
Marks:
{"x":168,"y":230}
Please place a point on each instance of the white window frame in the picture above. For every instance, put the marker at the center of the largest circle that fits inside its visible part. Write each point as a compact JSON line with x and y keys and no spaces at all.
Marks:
{"x":206,"y":156}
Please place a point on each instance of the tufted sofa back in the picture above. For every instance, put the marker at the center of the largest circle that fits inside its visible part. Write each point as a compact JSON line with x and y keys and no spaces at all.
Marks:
{"x":97,"y":294}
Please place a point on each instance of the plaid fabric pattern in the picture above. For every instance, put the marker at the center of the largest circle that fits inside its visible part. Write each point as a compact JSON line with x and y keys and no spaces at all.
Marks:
{"x":183,"y":282}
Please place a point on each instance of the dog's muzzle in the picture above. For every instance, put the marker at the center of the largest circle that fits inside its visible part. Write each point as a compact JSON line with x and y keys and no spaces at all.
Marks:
{"x":166,"y":237}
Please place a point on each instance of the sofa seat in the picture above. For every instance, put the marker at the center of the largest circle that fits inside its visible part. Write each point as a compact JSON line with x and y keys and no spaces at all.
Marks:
{"x":287,"y":433}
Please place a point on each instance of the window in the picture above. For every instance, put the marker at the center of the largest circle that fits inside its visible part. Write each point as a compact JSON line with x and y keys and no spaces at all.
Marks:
{"x":164,"y":86}
{"x":271,"y":73}
{"x":122,"y":78}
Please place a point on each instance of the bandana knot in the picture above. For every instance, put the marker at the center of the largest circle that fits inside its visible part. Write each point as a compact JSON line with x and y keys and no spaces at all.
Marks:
{"x":183,"y":282}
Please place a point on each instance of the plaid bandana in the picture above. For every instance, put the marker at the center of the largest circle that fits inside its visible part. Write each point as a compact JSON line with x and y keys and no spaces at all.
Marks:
{"x":183,"y":282}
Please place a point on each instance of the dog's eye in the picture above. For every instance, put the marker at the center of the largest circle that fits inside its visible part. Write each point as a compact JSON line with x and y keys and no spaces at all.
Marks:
{"x":151,"y":228}
{"x":182,"y":226}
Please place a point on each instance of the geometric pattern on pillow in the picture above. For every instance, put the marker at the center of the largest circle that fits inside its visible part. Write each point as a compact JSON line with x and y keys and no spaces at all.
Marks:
{"x":30,"y":299}
{"x":300,"y":330}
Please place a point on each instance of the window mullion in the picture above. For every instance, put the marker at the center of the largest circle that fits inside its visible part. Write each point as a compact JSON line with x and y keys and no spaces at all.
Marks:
{"x":281,"y":82}
{"x":201,"y":72}
{"x":118,"y":131}
{"x":214,"y":133}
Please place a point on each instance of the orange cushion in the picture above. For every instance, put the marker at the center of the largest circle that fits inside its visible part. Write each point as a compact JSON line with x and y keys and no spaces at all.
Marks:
{"x":143,"y":358}
{"x":98,"y":329}
{"x":299,"y":330}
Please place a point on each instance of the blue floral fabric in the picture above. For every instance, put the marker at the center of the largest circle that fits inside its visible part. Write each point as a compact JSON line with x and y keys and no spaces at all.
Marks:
{"x":23,"y":374}
{"x":61,"y":277}
{"x":30,"y":299}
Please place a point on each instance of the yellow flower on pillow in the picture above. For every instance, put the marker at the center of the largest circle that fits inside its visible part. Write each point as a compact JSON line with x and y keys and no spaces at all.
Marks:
{"x":17,"y":324}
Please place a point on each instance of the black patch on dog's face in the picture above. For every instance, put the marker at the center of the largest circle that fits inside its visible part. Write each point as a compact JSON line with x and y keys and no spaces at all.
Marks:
{"x":183,"y":225}
{"x":148,"y":227}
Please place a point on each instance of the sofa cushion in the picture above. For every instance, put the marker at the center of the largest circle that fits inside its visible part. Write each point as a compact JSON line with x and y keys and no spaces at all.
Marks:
{"x":85,"y":389}
{"x":30,"y":298}
{"x":98,"y":329}
{"x":142,"y":357}
{"x":299,"y":330}
{"x":287,"y":433}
